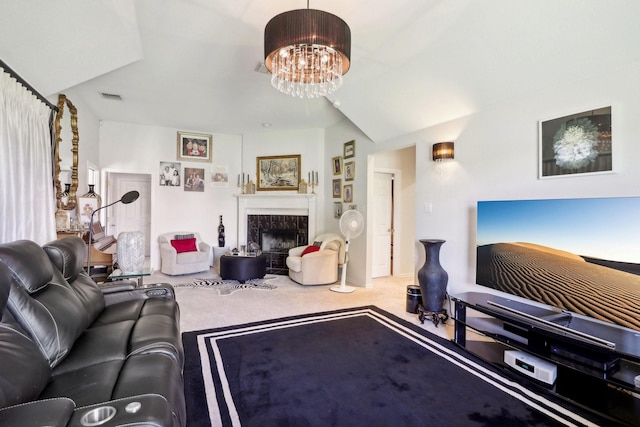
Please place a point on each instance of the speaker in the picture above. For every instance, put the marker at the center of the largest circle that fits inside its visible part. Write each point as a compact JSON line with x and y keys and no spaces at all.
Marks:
{"x":531,"y":366}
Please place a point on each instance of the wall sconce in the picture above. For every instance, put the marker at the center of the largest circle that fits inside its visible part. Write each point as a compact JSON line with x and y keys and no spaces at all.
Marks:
{"x":442,"y":151}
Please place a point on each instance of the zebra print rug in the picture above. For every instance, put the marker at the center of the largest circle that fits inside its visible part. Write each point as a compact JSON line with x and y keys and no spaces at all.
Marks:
{"x":226,"y":287}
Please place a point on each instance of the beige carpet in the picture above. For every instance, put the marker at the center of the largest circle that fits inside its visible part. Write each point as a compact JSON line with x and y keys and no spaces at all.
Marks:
{"x":202,"y":308}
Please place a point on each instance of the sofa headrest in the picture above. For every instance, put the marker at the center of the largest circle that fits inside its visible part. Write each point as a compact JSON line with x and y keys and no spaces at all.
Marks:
{"x":5,"y":286}
{"x":31,"y":261}
{"x":67,"y":255}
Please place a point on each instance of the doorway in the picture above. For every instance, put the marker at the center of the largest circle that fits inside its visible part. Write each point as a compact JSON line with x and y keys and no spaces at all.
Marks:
{"x":383,"y":220}
{"x":134,"y":216}
{"x":391,"y":225}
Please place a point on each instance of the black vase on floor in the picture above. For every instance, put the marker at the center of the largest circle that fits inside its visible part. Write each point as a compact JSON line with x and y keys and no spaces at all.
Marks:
{"x":433,"y":283}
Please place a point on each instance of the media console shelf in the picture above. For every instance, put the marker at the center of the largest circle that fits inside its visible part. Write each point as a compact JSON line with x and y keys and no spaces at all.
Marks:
{"x":596,"y":362}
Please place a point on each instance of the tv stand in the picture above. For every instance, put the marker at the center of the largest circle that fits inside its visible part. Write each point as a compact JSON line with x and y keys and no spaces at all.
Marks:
{"x":597,"y":362}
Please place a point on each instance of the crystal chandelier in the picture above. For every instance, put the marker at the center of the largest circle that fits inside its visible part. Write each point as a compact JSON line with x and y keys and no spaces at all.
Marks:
{"x":307,"y":52}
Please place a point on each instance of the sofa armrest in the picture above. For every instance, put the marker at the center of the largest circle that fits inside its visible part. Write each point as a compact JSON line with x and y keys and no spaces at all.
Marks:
{"x":117,"y":286}
{"x":50,"y":412}
{"x":297,"y":251}
{"x":148,"y":410}
{"x":204,"y":247}
{"x":319,"y":257}
{"x":167,"y":249}
{"x":152,"y":290}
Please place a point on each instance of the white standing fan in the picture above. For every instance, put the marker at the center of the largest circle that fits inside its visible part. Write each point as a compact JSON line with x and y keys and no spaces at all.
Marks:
{"x":351,"y":225}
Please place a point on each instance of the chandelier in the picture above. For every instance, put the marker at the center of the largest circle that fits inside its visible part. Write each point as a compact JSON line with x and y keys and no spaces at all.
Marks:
{"x":307,"y":52}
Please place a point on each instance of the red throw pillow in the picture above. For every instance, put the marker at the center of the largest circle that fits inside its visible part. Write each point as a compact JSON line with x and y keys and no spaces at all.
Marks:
{"x":184,"y":245}
{"x":310,"y":249}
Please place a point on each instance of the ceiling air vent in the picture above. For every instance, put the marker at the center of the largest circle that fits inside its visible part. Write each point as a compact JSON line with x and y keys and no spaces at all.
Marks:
{"x":261,"y":68}
{"x":112,"y":96}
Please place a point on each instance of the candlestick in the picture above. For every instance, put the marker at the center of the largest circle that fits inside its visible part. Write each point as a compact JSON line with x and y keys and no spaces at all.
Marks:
{"x":316,"y":177}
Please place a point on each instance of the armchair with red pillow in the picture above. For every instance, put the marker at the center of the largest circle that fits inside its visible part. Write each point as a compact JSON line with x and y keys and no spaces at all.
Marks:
{"x":183,"y":253}
{"x":317,"y":264}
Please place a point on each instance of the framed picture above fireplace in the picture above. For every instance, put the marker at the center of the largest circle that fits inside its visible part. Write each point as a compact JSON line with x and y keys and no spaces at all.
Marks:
{"x":278,"y":173}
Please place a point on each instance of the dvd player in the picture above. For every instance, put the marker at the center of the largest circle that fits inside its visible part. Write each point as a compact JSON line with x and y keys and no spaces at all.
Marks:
{"x":601,"y":362}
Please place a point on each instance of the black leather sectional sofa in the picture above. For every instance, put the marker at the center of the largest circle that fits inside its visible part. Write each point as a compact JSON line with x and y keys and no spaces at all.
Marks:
{"x":76,"y":354}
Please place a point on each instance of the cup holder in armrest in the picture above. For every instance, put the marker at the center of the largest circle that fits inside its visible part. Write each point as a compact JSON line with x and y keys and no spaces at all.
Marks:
{"x":98,"y":416}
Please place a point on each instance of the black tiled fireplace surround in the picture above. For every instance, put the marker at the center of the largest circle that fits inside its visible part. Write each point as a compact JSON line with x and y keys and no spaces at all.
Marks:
{"x":276,"y":261}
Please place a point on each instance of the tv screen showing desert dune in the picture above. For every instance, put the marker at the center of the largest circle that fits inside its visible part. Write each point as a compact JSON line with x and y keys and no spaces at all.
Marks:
{"x":581,"y":255}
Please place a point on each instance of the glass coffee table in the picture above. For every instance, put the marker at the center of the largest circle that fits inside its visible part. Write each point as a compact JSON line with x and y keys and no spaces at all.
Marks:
{"x":117,"y":274}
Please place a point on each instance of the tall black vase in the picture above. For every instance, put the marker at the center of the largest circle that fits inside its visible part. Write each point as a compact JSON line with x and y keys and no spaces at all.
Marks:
{"x":433,"y":282}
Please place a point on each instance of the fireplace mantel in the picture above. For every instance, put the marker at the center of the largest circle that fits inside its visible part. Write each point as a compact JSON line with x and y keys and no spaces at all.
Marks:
{"x":275,"y":204}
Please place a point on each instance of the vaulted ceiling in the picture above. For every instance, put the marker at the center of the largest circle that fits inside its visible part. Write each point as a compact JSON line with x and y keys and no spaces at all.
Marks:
{"x":191,"y":64}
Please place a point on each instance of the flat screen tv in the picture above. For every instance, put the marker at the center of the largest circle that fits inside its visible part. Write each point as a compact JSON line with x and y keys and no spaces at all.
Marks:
{"x":581,"y":255}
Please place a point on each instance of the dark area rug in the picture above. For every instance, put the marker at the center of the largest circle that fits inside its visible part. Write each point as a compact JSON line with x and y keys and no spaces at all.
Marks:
{"x":355,"y":367}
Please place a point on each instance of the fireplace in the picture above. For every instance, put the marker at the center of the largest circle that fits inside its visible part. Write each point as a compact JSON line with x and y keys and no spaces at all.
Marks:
{"x":278,"y":240}
{"x":276,"y":234}
{"x":276,"y":211}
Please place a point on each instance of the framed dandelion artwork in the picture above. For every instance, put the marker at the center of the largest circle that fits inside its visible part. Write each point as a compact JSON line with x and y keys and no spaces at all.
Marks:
{"x":576,"y":144}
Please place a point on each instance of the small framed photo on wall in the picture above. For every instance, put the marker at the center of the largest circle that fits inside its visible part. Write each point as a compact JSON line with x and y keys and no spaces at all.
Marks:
{"x":170,"y":174}
{"x":348,"y":193}
{"x":337,"y":209}
{"x":194,"y":147}
{"x":337,"y":188}
{"x":193,"y":179}
{"x":349,"y":149}
{"x":349,"y":171}
{"x":336,"y":163}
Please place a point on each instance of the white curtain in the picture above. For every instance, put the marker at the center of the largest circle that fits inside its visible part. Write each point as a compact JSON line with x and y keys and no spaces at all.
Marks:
{"x":27,"y":202}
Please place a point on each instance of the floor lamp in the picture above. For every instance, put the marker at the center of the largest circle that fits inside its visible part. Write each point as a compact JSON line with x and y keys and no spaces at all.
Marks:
{"x":127,"y":198}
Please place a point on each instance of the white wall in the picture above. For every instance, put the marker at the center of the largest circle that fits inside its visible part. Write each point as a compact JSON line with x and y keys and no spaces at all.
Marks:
{"x":359,"y":268}
{"x":309,"y":143}
{"x":134,"y":148}
{"x":496,"y":158}
{"x":131,"y":148}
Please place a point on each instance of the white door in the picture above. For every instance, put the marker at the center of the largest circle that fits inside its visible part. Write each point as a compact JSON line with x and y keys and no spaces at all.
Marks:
{"x":383,"y":223}
{"x":134,"y":216}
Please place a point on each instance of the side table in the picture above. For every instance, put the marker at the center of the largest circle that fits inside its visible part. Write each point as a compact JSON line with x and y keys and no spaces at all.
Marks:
{"x":118,"y":275}
{"x":217,"y":253}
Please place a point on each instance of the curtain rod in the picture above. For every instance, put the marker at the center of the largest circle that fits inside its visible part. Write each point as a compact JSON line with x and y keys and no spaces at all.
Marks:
{"x":24,"y":83}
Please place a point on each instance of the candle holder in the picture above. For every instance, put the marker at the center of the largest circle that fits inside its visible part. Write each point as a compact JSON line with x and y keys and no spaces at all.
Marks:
{"x":251,"y":187}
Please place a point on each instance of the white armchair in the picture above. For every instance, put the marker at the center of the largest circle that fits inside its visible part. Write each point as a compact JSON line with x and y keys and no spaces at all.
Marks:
{"x":319,"y":267}
{"x":179,"y":261}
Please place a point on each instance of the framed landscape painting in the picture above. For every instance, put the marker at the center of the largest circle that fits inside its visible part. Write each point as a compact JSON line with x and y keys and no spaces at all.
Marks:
{"x":576,"y":144}
{"x":277,"y":173}
{"x":194,"y":147}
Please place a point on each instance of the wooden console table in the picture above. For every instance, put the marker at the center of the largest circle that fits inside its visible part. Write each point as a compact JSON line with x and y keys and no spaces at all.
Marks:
{"x":596,"y":362}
